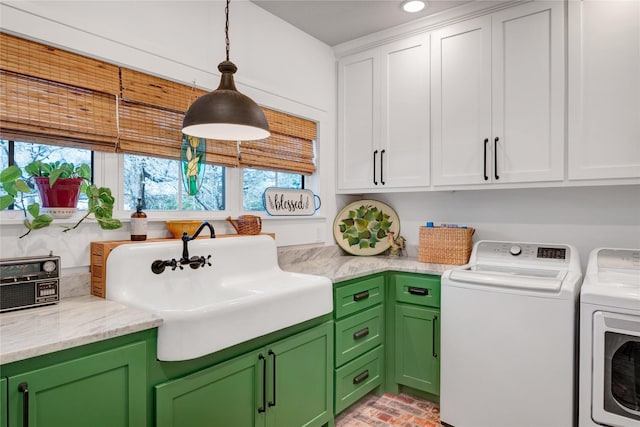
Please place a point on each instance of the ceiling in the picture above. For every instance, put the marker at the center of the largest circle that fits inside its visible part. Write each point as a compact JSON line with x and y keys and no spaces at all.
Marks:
{"x":338,"y":21}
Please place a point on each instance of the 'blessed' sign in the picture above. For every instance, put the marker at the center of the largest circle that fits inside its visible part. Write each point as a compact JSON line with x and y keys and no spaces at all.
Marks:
{"x":290,"y":202}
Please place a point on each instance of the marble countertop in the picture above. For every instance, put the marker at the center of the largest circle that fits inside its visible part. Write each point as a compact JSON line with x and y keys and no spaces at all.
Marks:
{"x":70,"y":323}
{"x":85,"y":319}
{"x":341,"y":268}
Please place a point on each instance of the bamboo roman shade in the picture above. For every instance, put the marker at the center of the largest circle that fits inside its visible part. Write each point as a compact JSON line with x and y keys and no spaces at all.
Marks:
{"x":290,"y":148}
{"x":53,"y":96}
{"x":151,"y":114}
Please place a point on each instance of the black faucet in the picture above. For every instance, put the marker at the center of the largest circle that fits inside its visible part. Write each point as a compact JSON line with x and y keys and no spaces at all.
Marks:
{"x":158,"y":266}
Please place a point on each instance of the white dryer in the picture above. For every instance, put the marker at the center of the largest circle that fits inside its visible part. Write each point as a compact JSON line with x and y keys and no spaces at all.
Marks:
{"x":610,"y":339}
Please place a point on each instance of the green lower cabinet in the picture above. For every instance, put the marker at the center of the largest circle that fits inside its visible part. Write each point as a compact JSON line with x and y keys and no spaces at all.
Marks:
{"x":4,"y":418}
{"x":303,"y":391}
{"x":287,"y":383}
{"x":228,"y":394}
{"x":105,"y":389}
{"x":359,"y":333}
{"x":417,"y":347}
{"x":358,"y":377}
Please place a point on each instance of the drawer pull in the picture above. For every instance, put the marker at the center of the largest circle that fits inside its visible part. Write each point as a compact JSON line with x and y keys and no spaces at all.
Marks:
{"x":433,"y":336}
{"x":263,"y":408}
{"x":361,"y":333}
{"x":418,"y":291}
{"x":273,"y":402}
{"x":24,"y":389}
{"x":360,"y":296}
{"x":363,"y":376}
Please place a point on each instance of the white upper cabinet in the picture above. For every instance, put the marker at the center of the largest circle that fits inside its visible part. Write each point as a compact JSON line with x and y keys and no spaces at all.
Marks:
{"x":383,"y":118}
{"x":498,"y":97}
{"x":604,"y":89}
{"x":461,"y":102}
{"x":358,"y":119}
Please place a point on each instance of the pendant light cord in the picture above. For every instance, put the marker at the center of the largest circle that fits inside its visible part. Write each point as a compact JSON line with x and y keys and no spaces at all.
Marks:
{"x":226,"y":28}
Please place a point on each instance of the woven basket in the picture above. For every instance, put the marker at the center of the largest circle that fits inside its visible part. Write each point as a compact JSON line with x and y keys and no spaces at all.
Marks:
{"x":247,"y":224}
{"x":445,"y":245}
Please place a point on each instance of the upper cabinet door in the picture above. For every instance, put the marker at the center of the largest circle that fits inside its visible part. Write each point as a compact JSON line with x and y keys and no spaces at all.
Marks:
{"x":498,"y":97}
{"x":528,"y":92}
{"x":383,"y":117}
{"x":604,"y":89}
{"x":358,"y":120}
{"x":461,"y":101}
{"x":404,"y":145}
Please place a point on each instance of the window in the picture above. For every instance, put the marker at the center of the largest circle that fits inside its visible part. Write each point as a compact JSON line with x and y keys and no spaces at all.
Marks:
{"x":158,"y":182}
{"x":84,"y":102}
{"x":23,"y":153}
{"x":255,"y":181}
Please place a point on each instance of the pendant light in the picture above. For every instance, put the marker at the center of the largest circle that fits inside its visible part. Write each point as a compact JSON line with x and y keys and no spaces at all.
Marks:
{"x":225,"y":113}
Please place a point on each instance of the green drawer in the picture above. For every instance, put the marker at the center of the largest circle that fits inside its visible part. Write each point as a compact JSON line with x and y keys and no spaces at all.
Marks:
{"x":358,"y":334}
{"x":358,"y":295}
{"x":417,"y":289}
{"x":359,"y":377}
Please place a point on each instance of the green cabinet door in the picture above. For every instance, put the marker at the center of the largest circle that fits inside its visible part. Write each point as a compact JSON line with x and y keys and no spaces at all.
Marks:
{"x":288,"y":383}
{"x":102,"y":390}
{"x":417,"y":348}
{"x":228,"y":394}
{"x":302,"y":367}
{"x":3,"y":403}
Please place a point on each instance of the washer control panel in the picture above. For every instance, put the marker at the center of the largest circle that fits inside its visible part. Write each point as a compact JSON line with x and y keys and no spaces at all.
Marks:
{"x":522,"y":252}
{"x":625,"y":259}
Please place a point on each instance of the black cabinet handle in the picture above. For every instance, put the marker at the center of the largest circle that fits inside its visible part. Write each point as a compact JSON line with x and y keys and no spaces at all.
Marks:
{"x":360,"y":296}
{"x":418,"y":291}
{"x":359,"y":378}
{"x":24,"y":389}
{"x":361,"y":333}
{"x":375,"y":153}
{"x":263,"y":408}
{"x":486,"y":141}
{"x":273,"y":402}
{"x":495,"y":158}
{"x":433,"y":335}
{"x":381,"y":166}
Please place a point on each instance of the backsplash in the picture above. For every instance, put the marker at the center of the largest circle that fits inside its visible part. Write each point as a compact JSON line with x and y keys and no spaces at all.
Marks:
{"x":295,"y":254}
{"x":75,"y":285}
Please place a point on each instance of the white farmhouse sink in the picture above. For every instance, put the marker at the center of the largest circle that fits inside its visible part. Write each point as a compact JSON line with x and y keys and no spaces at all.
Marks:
{"x":243,"y":294}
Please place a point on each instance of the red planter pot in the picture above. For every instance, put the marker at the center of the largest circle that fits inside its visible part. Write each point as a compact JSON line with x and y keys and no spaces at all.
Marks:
{"x":64,"y":193}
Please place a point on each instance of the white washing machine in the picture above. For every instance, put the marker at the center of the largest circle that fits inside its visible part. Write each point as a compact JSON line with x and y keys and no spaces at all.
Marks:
{"x":508,"y":337}
{"x":610,"y":339}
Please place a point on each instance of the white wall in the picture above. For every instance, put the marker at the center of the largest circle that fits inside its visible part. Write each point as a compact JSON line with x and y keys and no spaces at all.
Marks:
{"x":278,"y":66}
{"x":585,"y":217}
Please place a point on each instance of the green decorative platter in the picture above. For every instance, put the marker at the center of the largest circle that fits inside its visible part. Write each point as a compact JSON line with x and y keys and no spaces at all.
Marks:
{"x":363,"y":227}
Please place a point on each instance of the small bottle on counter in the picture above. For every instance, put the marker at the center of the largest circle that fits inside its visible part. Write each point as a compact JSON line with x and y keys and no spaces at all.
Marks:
{"x":139,"y":223}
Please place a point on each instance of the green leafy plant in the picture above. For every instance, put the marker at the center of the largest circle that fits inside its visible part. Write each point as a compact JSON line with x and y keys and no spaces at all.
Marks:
{"x":100,"y":199}
{"x":57,"y":170}
{"x":365,"y":226}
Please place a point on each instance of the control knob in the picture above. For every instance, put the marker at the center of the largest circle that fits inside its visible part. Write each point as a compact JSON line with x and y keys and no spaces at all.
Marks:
{"x":515,"y":250}
{"x":49,"y":266}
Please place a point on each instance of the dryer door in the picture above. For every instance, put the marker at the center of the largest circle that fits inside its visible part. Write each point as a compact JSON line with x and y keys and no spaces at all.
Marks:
{"x":616,"y":369}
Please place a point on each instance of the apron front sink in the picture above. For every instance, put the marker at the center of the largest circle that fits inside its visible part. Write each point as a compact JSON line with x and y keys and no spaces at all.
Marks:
{"x":242,"y":295}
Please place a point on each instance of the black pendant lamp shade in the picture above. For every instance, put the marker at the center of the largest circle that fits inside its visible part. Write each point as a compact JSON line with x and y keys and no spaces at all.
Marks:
{"x":225,"y":113}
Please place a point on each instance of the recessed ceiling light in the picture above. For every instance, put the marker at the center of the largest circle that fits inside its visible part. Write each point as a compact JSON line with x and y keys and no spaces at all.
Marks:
{"x":412,"y":6}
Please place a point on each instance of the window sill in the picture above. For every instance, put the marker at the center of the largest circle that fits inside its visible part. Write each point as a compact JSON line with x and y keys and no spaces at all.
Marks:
{"x":14,"y":218}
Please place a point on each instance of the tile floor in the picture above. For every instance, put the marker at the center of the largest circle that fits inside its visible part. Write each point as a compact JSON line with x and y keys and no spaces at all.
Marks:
{"x":390,"y":410}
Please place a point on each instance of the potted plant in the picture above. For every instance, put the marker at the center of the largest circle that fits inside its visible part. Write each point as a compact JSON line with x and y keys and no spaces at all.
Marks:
{"x":59,"y":185}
